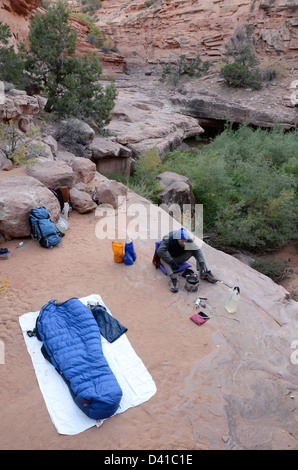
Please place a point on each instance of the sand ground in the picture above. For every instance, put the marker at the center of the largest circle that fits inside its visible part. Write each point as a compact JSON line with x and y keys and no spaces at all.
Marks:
{"x":187,"y":412}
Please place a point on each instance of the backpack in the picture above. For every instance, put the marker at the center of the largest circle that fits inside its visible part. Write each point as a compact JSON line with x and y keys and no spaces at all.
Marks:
{"x":43,"y":229}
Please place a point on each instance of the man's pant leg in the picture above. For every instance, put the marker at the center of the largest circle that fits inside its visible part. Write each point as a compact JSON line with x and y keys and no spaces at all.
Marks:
{"x":199,"y":257}
{"x":197,"y":254}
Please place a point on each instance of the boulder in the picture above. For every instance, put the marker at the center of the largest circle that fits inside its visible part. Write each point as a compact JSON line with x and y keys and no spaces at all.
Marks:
{"x":87,"y":188}
{"x":51,"y":142}
{"x":52,"y":173}
{"x":81,"y":201}
{"x":177,"y":189}
{"x":76,"y":130}
{"x":109,"y":165}
{"x":211,"y":103}
{"x":18,"y":103}
{"x":5,"y":163}
{"x":20,"y":107}
{"x":111,"y":156}
{"x":103,"y":147}
{"x":38,"y":149}
{"x":140,"y":122}
{"x":109,"y":191}
{"x":76,"y":136}
{"x":84,"y":169}
{"x":65,"y":156}
{"x":62,"y":173}
{"x":24,"y":123}
{"x":18,"y":195}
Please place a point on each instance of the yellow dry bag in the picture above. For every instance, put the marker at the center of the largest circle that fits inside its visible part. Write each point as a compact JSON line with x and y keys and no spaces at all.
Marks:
{"x":118,"y":252}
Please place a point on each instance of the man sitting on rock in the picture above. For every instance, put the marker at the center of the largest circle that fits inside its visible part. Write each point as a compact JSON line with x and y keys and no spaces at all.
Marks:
{"x":177,"y":247}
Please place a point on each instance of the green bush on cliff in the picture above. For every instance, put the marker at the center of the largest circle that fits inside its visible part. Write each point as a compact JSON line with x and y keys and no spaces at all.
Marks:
{"x":95,"y":36}
{"x":149,"y":3}
{"x":184,"y":66}
{"x":243,"y":71}
{"x":239,"y":75}
{"x":90,"y":6}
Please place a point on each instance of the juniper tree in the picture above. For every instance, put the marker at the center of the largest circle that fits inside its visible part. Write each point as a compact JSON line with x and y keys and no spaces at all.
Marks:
{"x":11,"y":62}
{"x":70,"y":82}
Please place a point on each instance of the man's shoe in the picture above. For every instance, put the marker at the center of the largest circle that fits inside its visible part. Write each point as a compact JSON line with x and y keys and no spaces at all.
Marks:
{"x":174,"y":287}
{"x":208,"y":276}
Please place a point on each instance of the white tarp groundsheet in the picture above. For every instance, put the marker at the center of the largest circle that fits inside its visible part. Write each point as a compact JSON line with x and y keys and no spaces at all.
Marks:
{"x":133,"y":377}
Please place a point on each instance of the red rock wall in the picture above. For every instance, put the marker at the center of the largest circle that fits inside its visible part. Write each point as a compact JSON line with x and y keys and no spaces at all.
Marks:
{"x":17,"y":13}
{"x":170,"y":28}
{"x":24,"y":7}
{"x":112,"y":63}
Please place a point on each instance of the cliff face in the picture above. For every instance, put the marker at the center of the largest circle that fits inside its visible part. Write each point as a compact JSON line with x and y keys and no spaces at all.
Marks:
{"x":19,"y":7}
{"x":169,"y":28}
{"x":17,"y":13}
{"x":24,"y":7}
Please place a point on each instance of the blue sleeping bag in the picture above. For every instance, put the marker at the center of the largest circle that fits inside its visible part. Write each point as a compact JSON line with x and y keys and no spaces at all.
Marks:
{"x":72,"y":343}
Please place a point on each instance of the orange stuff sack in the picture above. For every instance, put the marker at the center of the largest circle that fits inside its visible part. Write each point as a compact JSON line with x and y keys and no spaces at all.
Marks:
{"x":118,"y":252}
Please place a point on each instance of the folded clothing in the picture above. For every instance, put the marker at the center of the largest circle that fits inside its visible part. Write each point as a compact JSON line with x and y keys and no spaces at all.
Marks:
{"x":109,"y":327}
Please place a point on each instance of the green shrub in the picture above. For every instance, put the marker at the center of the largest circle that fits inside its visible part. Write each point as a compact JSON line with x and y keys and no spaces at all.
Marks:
{"x":144,"y":181}
{"x":243,"y":71}
{"x":275,"y":269}
{"x":90,"y":6}
{"x":46,"y":4}
{"x":95,"y":36}
{"x":149,"y":3}
{"x":241,"y":46}
{"x":184,"y":67}
{"x":239,"y":75}
{"x":18,"y":146}
{"x":271,"y":147}
{"x":247,"y":182}
{"x":273,"y":70}
{"x":147,"y":168}
{"x":208,"y":175}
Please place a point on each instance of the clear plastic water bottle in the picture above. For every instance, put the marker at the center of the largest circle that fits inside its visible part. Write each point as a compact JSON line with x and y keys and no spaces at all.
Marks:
{"x":65,"y":210}
{"x":233,"y":300}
